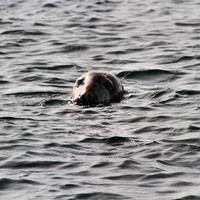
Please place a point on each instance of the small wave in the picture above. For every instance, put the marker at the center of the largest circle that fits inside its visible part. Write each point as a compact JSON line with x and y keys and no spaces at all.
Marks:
{"x":23,"y":32}
{"x":110,"y":39}
{"x":56,"y":81}
{"x":189,"y":197}
{"x":156,"y":176}
{"x":119,"y":62}
{"x":104,"y":10}
{"x":36,"y":93}
{"x":151,"y":74}
{"x":32,"y":78}
{"x":125,"y":177}
{"x":50,"y":5}
{"x":2,"y":82}
{"x":99,"y":196}
{"x":26,"y":40}
{"x":89,"y":112}
{"x":180,"y":59}
{"x":98,"y":57}
{"x":127,"y":164}
{"x":69,"y":186}
{"x":164,"y":96}
{"x":7,"y":183}
{"x":72,"y":165}
{"x":132,"y":120}
{"x":188,"y":92}
{"x":115,"y":140}
{"x":6,"y":118}
{"x":56,"y":43}
{"x":126,"y":51}
{"x":42,"y":66}
{"x":145,"y":129}
{"x":192,"y":24}
{"x":160,"y":93}
{"x":194,"y":128}
{"x":106,"y":2}
{"x":13,"y":146}
{"x":74,"y":47}
{"x":183,"y":141}
{"x":101,"y":164}
{"x":31,"y":164}
{"x":93,"y":19}
{"x":193,"y":66}
{"x":62,"y":67}
{"x":54,"y":102}
{"x":5,"y":22}
{"x":67,"y":146}
{"x":182,"y":183}
{"x":12,"y":44}
{"x":40,"y":24}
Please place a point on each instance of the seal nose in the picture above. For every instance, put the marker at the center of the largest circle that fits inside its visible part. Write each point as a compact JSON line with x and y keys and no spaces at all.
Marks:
{"x":84,"y":99}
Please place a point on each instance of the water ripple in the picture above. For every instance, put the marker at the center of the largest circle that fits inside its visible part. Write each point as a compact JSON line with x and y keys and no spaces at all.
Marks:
{"x":31,"y":164}
{"x":7,"y":183}
{"x":98,"y":196}
{"x":145,"y":147}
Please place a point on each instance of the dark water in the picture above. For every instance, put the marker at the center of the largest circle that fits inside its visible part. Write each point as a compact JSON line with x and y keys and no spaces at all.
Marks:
{"x":145,"y":148}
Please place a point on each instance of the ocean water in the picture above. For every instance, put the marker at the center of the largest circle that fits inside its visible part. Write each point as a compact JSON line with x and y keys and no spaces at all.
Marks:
{"x":147,"y":147}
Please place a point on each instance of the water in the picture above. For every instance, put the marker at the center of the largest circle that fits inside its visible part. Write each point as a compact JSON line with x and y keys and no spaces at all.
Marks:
{"x":145,"y":147}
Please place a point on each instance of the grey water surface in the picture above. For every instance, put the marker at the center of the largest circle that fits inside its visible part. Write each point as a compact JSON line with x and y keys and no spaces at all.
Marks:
{"x":146,"y":147}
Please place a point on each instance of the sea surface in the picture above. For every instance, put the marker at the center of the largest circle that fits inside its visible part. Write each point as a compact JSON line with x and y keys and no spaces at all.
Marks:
{"x":147,"y":147}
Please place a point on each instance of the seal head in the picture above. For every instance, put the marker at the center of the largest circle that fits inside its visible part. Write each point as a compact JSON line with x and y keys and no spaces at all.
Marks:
{"x":94,"y":88}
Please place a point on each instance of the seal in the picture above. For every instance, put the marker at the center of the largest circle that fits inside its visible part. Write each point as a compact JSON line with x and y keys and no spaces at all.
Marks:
{"x":97,"y":87}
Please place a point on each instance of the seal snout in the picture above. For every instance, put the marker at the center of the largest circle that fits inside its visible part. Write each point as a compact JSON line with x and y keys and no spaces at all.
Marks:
{"x":85,"y":99}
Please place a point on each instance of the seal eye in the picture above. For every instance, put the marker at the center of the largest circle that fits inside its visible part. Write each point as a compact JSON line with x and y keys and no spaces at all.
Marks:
{"x":79,"y":82}
{"x":108,"y":85}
